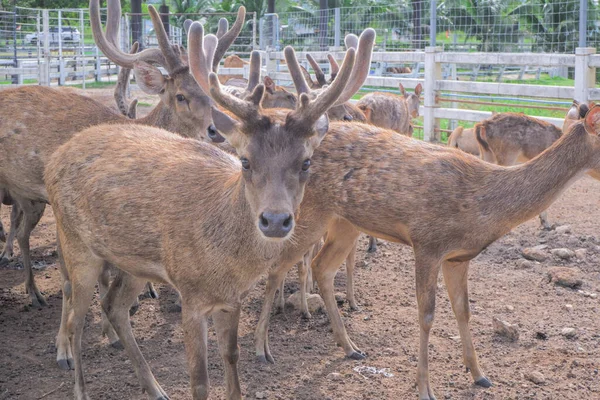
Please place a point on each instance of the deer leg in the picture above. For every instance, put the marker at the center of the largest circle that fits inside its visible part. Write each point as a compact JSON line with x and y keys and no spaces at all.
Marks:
{"x":151,"y":291}
{"x":15,"y":222}
{"x":303,"y":267}
{"x":83,"y":269}
{"x":340,"y":240}
{"x":64,"y":355}
{"x":372,"y":244}
{"x":261,"y":334}
{"x":544,"y":221}
{"x":116,"y":303}
{"x":427,"y":271}
{"x":280,"y":299}
{"x":32,"y":213}
{"x":107,"y":328}
{"x":195,"y":330}
{"x":226,"y":325}
{"x":350,"y":264}
{"x":455,"y":276}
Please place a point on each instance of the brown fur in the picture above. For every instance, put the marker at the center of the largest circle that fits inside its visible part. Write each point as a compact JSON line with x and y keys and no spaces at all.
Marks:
{"x":482,"y":202}
{"x":465,"y":140}
{"x":214,"y":221}
{"x":391,"y":111}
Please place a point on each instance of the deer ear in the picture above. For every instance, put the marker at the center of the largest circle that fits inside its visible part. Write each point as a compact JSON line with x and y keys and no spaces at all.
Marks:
{"x":401,"y":87}
{"x":418,"y":89}
{"x":321,"y":127}
{"x":269,"y":85}
{"x":224,"y":123}
{"x":592,"y":121}
{"x":148,"y":77}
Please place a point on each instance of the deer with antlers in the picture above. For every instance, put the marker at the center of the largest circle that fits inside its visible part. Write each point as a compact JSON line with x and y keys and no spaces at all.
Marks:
{"x":28,"y":112}
{"x":217,"y":230}
{"x":373,"y":180}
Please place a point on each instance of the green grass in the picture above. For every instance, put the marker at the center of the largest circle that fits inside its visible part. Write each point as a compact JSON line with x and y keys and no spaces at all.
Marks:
{"x":94,"y":85}
{"x":144,"y":104}
{"x":25,"y":82}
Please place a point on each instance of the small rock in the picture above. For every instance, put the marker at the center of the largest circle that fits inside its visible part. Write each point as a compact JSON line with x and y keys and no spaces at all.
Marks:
{"x":525,"y":264}
{"x":593,"y":296}
{"x":563,"y":229}
{"x":565,"y":254}
{"x":569,"y":307}
{"x":315,"y":302}
{"x":505,"y":329}
{"x":334,"y":376}
{"x":260,"y":395}
{"x":535,"y":377}
{"x":580,"y":254}
{"x":563,"y":276}
{"x":535,"y":253}
{"x":509,"y":308}
{"x":390,"y":352}
{"x":340,"y":298}
{"x":541,"y":335}
{"x":569,"y":333}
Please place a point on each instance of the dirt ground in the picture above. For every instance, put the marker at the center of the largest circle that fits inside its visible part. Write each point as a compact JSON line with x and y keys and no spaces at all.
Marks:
{"x":501,"y":286}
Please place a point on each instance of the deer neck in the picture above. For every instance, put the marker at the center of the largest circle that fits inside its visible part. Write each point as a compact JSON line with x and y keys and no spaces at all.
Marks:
{"x":524,"y":191}
{"x":163,"y":117}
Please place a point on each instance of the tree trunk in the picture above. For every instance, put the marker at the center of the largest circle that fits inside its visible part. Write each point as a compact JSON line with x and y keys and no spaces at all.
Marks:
{"x":136,"y":22}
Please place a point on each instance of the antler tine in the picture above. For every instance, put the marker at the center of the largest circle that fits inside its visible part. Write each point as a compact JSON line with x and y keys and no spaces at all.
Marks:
{"x":312,"y":110}
{"x":318,"y":71}
{"x":295,"y":72}
{"x":361,"y":67}
{"x":172,"y":58}
{"x":210,"y":46}
{"x":246,"y":111}
{"x":223,"y":27}
{"x":254,"y":77}
{"x":351,"y":41}
{"x":108,"y":48}
{"x":120,"y":93}
{"x":186,"y":25}
{"x":228,"y":38}
{"x":113,"y":20}
{"x":197,"y":57}
{"x":335,"y":68}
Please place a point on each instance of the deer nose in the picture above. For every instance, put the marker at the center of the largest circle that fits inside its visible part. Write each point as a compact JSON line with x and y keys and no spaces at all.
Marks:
{"x":214,"y":135}
{"x":275,"y":225}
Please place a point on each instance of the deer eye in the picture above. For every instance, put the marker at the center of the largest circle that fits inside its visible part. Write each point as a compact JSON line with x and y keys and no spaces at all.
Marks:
{"x":306,"y":165}
{"x":245,"y":164}
{"x":180,"y":97}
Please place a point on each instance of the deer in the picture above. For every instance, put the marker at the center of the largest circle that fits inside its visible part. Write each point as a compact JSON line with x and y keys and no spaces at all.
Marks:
{"x":184,"y":108}
{"x":354,"y":186}
{"x":242,"y":210}
{"x":122,"y":87}
{"x":465,"y":140}
{"x":391,"y":111}
{"x":509,"y":138}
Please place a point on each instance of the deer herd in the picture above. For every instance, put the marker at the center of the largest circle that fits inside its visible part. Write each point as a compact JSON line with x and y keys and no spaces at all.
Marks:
{"x":225,"y":182}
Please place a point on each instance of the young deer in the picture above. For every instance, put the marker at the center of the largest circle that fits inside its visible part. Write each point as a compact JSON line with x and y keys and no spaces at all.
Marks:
{"x":391,"y":111}
{"x":465,"y":140}
{"x":210,"y":233}
{"x":355,"y":185}
{"x":36,"y":120}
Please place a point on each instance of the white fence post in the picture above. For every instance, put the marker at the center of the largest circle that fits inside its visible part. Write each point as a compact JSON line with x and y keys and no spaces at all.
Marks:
{"x":337,"y":28}
{"x":61,"y":59}
{"x":433,"y":73}
{"x":82,"y":46}
{"x":45,"y":66}
{"x":585,"y":76}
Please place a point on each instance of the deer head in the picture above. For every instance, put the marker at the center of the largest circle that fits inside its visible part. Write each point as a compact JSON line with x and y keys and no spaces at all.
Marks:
{"x":274,"y":148}
{"x":412,"y":99}
{"x":188,"y":103}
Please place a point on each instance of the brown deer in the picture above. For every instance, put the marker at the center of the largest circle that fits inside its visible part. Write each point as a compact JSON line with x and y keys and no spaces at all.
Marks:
{"x":509,"y":138}
{"x":49,"y":117}
{"x":391,"y":111}
{"x":465,"y":140}
{"x":242,"y":212}
{"x":486,"y":202}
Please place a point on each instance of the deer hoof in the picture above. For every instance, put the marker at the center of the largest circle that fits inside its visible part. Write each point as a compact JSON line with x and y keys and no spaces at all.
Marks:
{"x":306,"y":315}
{"x":357,"y":356}
{"x":372,"y":249}
{"x":175,"y":308}
{"x":117,"y":345}
{"x":66,"y":365}
{"x":4,"y":261}
{"x":162,"y":398}
{"x":484,"y":382}
{"x":38,"y":301}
